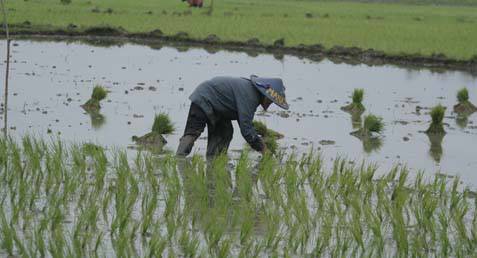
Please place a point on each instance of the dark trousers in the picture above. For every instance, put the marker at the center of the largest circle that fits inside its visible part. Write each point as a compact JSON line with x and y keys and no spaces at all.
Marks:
{"x":219,"y":135}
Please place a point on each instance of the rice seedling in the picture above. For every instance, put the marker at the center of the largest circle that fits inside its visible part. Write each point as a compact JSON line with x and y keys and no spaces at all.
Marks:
{"x":295,"y":207}
{"x":269,"y":136}
{"x":356,"y":106}
{"x":437,"y":115}
{"x":162,"y":125}
{"x":464,"y":107}
{"x":93,"y":104}
{"x":372,"y":125}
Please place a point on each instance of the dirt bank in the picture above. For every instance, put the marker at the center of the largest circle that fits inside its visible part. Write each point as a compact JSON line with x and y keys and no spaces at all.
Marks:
{"x":350,"y":55}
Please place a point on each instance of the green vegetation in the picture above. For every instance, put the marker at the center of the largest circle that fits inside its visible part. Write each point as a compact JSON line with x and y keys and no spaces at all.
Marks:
{"x":99,"y":93}
{"x":437,"y":114}
{"x":464,"y":107}
{"x":262,"y":129}
{"x":373,"y":124}
{"x":269,"y":136}
{"x":93,"y":104}
{"x":154,"y":139}
{"x":463,"y":95}
{"x":356,"y":107}
{"x":394,"y":28}
{"x":162,"y":124}
{"x":72,"y":200}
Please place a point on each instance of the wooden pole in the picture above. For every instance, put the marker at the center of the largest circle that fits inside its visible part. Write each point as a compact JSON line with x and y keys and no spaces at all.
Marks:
{"x":5,"y":107}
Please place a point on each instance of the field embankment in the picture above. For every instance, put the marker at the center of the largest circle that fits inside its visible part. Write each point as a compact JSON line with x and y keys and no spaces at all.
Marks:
{"x":438,"y":33}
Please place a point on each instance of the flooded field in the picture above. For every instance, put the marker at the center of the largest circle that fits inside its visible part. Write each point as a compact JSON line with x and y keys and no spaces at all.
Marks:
{"x":50,"y":80}
{"x":62,"y":199}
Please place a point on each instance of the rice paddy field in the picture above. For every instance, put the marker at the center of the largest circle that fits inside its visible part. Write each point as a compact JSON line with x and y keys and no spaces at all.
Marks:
{"x":395,"y":27}
{"x":79,"y":200}
{"x":370,"y":160}
{"x":75,"y":183}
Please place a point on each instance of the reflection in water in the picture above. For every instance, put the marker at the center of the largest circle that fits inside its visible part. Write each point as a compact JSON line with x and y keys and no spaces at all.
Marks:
{"x":462,"y":121}
{"x":211,"y":200}
{"x":97,"y":119}
{"x":435,"y":150}
{"x":356,"y":120}
{"x":371,"y":144}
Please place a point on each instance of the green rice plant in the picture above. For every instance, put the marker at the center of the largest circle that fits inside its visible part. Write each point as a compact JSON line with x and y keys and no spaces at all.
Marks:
{"x":464,"y":108}
{"x":437,"y":115}
{"x":358,"y":96}
{"x":262,"y":130}
{"x":356,"y":107}
{"x":99,"y":93}
{"x":373,"y":124}
{"x":162,"y":124}
{"x":463,"y":95}
{"x":93,"y":104}
{"x":6,"y":234}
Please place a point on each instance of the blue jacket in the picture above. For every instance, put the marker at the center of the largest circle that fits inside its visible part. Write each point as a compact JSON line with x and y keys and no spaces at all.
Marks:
{"x":230,"y":98}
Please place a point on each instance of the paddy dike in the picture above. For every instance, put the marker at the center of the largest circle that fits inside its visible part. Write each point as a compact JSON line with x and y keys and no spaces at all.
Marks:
{"x":351,"y":55}
{"x":50,"y":80}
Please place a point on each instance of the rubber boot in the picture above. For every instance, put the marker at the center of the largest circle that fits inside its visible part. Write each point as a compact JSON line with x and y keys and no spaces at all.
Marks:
{"x":185,"y":145}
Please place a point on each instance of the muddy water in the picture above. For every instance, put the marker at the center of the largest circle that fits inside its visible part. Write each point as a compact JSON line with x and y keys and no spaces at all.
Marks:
{"x":50,"y":80}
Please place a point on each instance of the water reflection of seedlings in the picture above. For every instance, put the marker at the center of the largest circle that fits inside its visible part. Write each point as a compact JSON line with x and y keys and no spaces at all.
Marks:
{"x":462,"y":121}
{"x":464,"y":107}
{"x":97,"y":119}
{"x":369,"y":133}
{"x":356,"y":106}
{"x":437,"y":115}
{"x":93,"y":105}
{"x":162,"y":125}
{"x":371,"y":144}
{"x":435,"y":151}
{"x":356,"y":120}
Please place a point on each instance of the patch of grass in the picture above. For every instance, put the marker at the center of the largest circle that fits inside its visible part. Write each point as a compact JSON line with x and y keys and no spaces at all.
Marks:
{"x":464,"y":108}
{"x":356,"y":107}
{"x":339,"y":23}
{"x":269,"y":136}
{"x":437,"y":114}
{"x":358,"y":96}
{"x":177,"y":207}
{"x":99,"y":93}
{"x":93,"y":104}
{"x":162,"y":124}
{"x":463,"y":95}
{"x":373,"y":124}
{"x":262,"y":129}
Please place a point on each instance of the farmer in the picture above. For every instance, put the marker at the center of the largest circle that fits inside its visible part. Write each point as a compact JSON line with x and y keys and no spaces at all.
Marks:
{"x":218,"y":101}
{"x":195,"y":3}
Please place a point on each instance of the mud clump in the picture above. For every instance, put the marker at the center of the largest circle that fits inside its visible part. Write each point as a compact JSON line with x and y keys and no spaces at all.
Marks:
{"x":156,"y":33}
{"x":181,"y":35}
{"x":105,"y":31}
{"x":356,"y":107}
{"x":372,"y":125}
{"x":93,"y":104}
{"x":212,"y":38}
{"x":464,"y":107}
{"x":437,"y":115}
{"x":150,"y":139}
{"x":279,"y":43}
{"x":253,"y":42}
{"x":162,"y":125}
